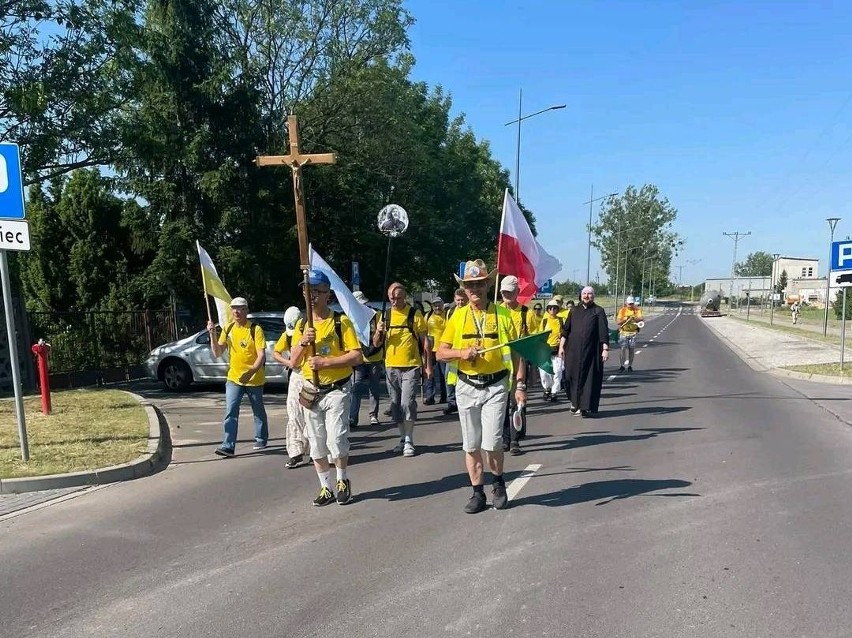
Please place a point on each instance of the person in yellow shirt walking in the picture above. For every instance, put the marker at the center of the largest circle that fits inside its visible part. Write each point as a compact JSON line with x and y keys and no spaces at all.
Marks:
{"x":246,"y":346}
{"x":553,"y":324}
{"x":326,"y":406}
{"x":403,"y":333}
{"x":628,"y":318}
{"x":526,"y":323}
{"x":297,"y":440}
{"x":435,"y":385}
{"x":484,"y":377}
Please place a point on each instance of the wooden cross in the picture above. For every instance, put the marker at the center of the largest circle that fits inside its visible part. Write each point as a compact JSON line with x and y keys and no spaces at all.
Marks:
{"x":296,"y":160}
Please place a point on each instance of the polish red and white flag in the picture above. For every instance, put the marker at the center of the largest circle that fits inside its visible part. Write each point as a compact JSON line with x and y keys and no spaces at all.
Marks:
{"x":520,"y":254}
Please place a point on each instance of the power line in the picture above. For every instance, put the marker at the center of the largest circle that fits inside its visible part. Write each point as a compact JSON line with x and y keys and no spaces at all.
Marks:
{"x":736,"y":236}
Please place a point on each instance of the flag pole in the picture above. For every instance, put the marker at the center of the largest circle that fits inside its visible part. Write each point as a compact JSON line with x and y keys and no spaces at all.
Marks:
{"x":499,"y":233}
{"x":203,"y":281}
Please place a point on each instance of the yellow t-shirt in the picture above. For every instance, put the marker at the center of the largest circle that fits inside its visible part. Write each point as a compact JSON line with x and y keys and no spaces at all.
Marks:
{"x":564,"y":314}
{"x":401,"y":349}
{"x":517,"y":319}
{"x":623,"y":314}
{"x":554,"y":326}
{"x":284,"y":343}
{"x":435,"y":325}
{"x":242,"y":351}
{"x":466,"y":318}
{"x":328,"y":345}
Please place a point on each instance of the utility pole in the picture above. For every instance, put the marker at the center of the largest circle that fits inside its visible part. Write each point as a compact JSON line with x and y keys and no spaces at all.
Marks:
{"x":736,"y":236}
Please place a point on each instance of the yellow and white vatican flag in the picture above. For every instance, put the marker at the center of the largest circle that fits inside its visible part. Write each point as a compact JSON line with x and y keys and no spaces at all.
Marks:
{"x":214,"y":287}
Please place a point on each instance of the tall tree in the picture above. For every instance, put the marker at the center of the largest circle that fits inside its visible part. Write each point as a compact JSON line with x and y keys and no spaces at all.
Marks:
{"x":756,"y":264}
{"x":63,"y":81}
{"x":634,"y":233}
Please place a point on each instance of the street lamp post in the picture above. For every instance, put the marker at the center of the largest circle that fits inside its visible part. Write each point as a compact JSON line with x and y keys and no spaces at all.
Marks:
{"x":832,"y":223}
{"x":520,"y":119}
{"x":591,"y":201}
{"x":775,"y":257}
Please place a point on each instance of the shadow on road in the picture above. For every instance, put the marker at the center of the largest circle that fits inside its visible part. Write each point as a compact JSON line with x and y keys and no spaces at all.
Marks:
{"x":602,"y":439}
{"x":605,"y":492}
{"x":427,"y":488}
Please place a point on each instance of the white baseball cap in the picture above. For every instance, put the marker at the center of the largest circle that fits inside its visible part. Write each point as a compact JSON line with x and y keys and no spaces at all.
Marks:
{"x":239,"y":302}
{"x":630,"y":300}
{"x":509,"y":283}
{"x":360,"y":297}
{"x":291,"y":318}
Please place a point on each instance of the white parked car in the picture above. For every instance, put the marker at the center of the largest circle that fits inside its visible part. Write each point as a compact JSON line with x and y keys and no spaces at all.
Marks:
{"x":180,"y":363}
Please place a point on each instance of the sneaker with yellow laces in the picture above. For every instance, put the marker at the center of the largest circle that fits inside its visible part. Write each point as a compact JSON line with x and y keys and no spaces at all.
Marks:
{"x":344,"y":491}
{"x":325,"y":497}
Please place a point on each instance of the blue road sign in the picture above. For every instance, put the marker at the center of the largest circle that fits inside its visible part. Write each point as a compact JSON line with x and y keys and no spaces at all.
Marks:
{"x":546,"y":288}
{"x":841,"y":255}
{"x":356,"y":274}
{"x":11,"y":184}
{"x":461,"y":269}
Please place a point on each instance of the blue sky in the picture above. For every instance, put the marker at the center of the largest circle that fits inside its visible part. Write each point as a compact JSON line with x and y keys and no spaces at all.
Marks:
{"x":740,"y":112}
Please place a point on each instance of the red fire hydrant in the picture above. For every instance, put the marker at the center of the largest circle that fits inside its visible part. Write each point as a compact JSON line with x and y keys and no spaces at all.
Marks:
{"x":41,"y":350}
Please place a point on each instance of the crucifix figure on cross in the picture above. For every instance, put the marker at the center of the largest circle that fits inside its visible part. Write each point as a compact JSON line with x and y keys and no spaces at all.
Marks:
{"x":296,"y":160}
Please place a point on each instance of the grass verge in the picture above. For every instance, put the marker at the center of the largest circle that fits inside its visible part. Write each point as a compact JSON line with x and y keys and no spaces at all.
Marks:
{"x":827,"y":369}
{"x":799,"y":332}
{"x":87,"y":430}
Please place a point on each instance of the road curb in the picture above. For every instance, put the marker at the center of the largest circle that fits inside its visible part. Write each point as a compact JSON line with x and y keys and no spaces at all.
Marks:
{"x":815,"y":378}
{"x":781,"y":372}
{"x":152,"y":460}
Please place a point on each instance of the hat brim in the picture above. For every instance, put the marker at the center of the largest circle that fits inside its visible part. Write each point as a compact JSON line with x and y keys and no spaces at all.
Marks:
{"x":490,"y":276}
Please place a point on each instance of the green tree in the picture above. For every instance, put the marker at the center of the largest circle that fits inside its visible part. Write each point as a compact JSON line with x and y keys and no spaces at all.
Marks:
{"x":63,"y":81}
{"x":781,"y":286}
{"x":837,"y":304}
{"x":79,"y":218}
{"x":634,"y":234}
{"x":756,"y":264}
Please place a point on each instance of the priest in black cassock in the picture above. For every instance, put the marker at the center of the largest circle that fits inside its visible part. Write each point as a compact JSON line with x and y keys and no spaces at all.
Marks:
{"x":585,"y":347}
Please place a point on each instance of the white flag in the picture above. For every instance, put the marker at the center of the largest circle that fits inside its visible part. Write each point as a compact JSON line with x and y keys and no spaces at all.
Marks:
{"x":214,"y":287}
{"x":359,"y":314}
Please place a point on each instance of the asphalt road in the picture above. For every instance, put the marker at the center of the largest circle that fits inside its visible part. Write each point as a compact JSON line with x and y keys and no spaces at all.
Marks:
{"x":706,"y":499}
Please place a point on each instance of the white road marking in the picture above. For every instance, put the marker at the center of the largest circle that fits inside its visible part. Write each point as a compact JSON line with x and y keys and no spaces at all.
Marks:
{"x":516,"y":485}
{"x":611,"y":377}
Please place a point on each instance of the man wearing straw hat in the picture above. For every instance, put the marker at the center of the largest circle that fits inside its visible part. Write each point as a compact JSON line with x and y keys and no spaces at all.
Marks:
{"x":246,"y":347}
{"x":474,"y":346}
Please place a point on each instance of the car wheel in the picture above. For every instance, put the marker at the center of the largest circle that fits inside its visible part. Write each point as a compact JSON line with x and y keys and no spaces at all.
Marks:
{"x":176,"y":375}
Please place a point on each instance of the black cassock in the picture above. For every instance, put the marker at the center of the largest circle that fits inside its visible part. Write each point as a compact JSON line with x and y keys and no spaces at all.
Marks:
{"x":585,"y":333}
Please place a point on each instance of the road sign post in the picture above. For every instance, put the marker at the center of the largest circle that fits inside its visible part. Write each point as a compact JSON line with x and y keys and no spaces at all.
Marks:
{"x":14,"y":235}
{"x":844,"y":280}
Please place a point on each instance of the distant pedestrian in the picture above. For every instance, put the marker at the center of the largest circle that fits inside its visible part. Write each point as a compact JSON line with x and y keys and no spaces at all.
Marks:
{"x":794,"y":311}
{"x":298,"y":448}
{"x":434,"y":388}
{"x":628,"y":318}
{"x":585,"y":346}
{"x":246,"y":347}
{"x":459,"y":301}
{"x":484,"y":376}
{"x":367,"y":375}
{"x":553,"y":325}
{"x":326,"y":406}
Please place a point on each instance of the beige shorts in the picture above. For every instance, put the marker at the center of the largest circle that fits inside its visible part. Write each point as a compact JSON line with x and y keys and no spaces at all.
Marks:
{"x":481,"y":413}
{"x":327,"y":424}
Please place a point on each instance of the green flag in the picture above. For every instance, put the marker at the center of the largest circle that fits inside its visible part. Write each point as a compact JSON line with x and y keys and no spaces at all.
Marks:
{"x":535,"y":350}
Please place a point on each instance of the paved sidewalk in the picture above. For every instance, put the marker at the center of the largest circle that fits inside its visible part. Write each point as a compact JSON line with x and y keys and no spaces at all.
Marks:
{"x":10,"y":503}
{"x":766,"y":349}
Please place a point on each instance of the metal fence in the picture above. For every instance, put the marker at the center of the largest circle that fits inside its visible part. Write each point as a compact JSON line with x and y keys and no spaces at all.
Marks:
{"x":101,"y":340}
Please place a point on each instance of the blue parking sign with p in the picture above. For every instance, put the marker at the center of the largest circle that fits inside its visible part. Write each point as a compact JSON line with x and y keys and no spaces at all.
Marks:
{"x":11,"y":184}
{"x":841,"y":255}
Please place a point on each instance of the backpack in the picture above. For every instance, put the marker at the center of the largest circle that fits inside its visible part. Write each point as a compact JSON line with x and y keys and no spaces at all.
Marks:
{"x":230,"y":326}
{"x":338,"y":329}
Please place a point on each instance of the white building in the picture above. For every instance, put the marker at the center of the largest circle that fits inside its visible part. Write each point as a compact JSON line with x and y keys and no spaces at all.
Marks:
{"x":755,"y":286}
{"x":796,"y":268}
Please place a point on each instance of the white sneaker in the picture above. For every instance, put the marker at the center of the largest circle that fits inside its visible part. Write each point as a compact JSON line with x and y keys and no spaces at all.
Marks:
{"x":408,"y":449}
{"x":399,"y":447}
{"x":374,"y":420}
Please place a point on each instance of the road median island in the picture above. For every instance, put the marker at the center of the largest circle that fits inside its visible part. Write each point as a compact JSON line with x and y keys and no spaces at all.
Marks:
{"x":91,"y":437}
